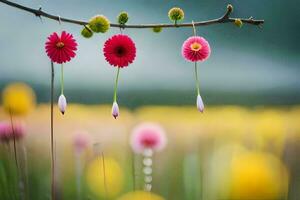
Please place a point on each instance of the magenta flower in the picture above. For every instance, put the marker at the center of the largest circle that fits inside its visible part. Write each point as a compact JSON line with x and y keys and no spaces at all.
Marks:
{"x":7,"y":133}
{"x":119,"y":50}
{"x":148,"y":136}
{"x":5,"y":128}
{"x":195,"y":49}
{"x":61,"y":48}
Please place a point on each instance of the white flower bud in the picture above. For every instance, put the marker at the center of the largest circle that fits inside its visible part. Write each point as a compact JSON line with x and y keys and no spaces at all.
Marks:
{"x":115,"y":110}
{"x":62,"y":104}
{"x":200,"y":104}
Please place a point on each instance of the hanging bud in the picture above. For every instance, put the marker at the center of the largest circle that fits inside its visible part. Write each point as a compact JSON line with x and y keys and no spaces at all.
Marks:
{"x":87,"y":32}
{"x":62,"y":103}
{"x":115,"y":110}
{"x":157,"y":29}
{"x":238,"y":22}
{"x":200,"y":105}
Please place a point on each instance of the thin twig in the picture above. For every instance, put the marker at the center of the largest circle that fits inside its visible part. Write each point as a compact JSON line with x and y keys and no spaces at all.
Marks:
{"x":14,"y":137}
{"x":224,"y":19}
{"x":52,"y":136}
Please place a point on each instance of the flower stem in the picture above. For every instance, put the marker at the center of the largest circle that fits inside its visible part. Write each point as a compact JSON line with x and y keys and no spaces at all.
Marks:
{"x":116,"y":85}
{"x":14,"y":137}
{"x":62,"y":79}
{"x":52,"y":136}
{"x":197,"y":80}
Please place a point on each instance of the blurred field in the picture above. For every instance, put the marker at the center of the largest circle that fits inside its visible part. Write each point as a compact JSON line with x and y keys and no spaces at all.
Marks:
{"x":229,"y":152}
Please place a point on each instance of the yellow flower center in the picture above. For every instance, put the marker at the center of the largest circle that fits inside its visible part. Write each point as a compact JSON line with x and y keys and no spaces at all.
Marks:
{"x":60,"y":45}
{"x":196,"y":46}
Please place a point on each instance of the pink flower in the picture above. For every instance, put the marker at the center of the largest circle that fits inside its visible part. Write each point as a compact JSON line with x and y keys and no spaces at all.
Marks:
{"x":7,"y":133}
{"x":5,"y":128}
{"x":61,"y":49}
{"x":81,"y":141}
{"x":195,"y":49}
{"x":119,"y":50}
{"x":148,"y":136}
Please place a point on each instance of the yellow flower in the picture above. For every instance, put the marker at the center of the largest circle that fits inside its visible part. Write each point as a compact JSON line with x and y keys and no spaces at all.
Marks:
{"x":107,"y":185}
{"x":18,"y":98}
{"x":140,"y":195}
{"x":257,"y":176}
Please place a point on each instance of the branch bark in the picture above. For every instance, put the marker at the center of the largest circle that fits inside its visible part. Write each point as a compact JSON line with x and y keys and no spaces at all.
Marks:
{"x":224,"y":19}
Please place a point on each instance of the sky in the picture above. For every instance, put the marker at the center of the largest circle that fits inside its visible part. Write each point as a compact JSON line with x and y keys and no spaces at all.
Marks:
{"x":244,"y":60}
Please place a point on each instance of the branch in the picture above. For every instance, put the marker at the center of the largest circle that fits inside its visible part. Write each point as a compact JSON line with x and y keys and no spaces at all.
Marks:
{"x":224,"y":19}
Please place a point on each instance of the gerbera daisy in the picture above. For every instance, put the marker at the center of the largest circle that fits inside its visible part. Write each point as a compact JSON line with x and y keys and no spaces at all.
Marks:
{"x":119,"y":51}
{"x":61,"y":48}
{"x":196,"y":49}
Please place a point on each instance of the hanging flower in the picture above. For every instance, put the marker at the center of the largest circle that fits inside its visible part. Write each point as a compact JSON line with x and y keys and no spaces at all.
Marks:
{"x":119,"y":50}
{"x":61,"y":48}
{"x":115,"y":110}
{"x":62,"y":103}
{"x":148,"y":136}
{"x":195,"y":49}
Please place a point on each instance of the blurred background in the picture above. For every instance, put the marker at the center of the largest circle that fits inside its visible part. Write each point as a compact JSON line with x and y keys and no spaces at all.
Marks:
{"x":244,"y":147}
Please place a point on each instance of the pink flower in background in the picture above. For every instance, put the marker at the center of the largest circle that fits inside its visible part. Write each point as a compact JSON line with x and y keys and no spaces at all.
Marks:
{"x":7,"y":133}
{"x":5,"y":128}
{"x":19,"y":130}
{"x":119,"y":50}
{"x":195,"y":49}
{"x":148,"y":136}
{"x":61,"y":48}
{"x":81,"y":141}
